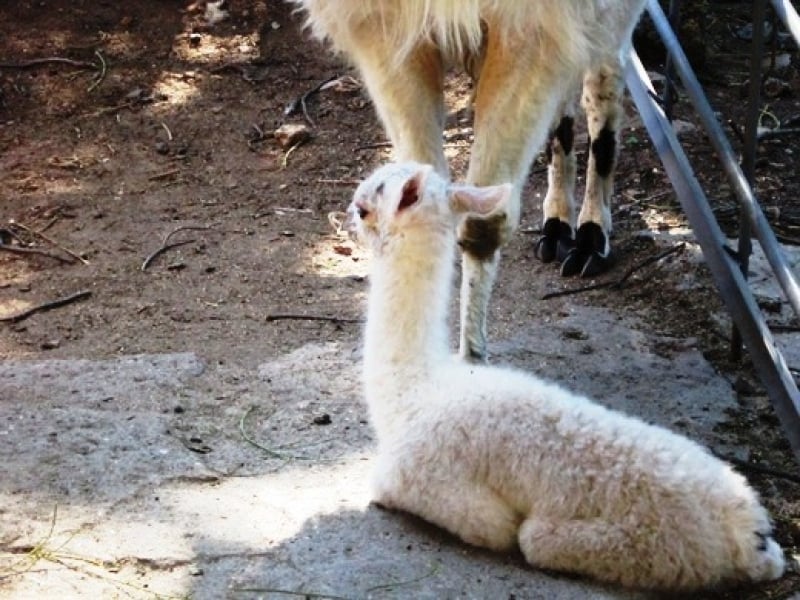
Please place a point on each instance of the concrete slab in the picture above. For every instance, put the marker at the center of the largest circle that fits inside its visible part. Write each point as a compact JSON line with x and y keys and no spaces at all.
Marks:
{"x":163,"y":476}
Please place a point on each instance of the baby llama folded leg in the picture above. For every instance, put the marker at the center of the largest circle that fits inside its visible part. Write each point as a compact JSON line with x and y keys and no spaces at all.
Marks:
{"x":691,"y":548}
{"x":475,"y":513}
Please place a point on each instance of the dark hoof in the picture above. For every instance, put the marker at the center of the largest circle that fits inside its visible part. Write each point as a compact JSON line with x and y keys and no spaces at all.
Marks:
{"x":556,"y":241}
{"x":565,"y":246}
{"x":545,"y":249}
{"x":590,"y":256}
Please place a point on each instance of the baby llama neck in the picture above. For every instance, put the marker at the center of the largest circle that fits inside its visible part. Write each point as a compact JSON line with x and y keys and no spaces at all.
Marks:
{"x":410,"y":286}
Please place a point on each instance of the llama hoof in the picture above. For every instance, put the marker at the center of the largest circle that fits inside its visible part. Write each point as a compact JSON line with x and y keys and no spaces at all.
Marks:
{"x":590,"y":265}
{"x":556,"y":241}
{"x":590,"y":256}
{"x":545,"y":249}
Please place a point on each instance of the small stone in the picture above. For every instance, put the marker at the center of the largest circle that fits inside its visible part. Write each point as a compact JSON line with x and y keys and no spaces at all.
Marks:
{"x":162,"y":147}
{"x":774,"y":87}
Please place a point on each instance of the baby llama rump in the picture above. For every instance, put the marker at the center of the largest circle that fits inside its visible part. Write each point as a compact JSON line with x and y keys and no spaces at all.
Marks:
{"x":501,"y":458}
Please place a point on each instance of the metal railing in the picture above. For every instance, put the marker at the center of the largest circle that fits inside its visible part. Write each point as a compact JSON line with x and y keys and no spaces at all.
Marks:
{"x":722,"y":261}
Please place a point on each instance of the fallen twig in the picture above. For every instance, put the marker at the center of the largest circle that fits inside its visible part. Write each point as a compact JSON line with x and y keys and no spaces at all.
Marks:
{"x":271,"y":452}
{"x":784,"y":328}
{"x":294,"y":317}
{"x":50,"y":223}
{"x":323,"y":596}
{"x":108,"y":109}
{"x":49,"y":240}
{"x":163,"y":248}
{"x":256,"y":137}
{"x":650,"y":260}
{"x":21,"y":250}
{"x":389,"y":586}
{"x":373,"y":146}
{"x":46,"y":306}
{"x":768,"y":134}
{"x":579,"y":290}
{"x":347,"y":182}
{"x":755,"y":468}
{"x":169,"y":133}
{"x":303,"y":594}
{"x":79,"y":64}
{"x":166,"y":245}
{"x":101,"y":75}
{"x":285,"y":160}
{"x":787,"y":239}
{"x":164,"y":175}
{"x":618,"y":283}
{"x":300,"y":103}
{"x":42,"y":551}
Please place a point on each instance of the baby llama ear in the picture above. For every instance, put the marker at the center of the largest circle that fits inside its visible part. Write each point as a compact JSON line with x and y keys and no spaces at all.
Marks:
{"x":414,"y":186}
{"x":479,"y":200}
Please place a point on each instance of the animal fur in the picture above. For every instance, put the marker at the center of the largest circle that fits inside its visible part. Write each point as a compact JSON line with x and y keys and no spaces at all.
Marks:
{"x":529,"y":57}
{"x":503,"y":459}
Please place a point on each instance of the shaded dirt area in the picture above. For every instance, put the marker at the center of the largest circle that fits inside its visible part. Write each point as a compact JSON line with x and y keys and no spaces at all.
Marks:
{"x":158,"y":129}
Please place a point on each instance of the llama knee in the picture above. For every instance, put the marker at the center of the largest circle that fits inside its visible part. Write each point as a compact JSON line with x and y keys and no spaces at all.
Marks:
{"x":604,"y":550}
{"x":481,"y":238}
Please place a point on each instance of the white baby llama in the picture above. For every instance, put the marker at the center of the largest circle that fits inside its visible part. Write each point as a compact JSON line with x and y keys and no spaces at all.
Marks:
{"x":503,"y":459}
{"x":528,"y":57}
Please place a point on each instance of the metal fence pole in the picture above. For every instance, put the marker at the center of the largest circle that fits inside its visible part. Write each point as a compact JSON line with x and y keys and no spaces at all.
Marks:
{"x":733,"y":288}
{"x":745,"y":245}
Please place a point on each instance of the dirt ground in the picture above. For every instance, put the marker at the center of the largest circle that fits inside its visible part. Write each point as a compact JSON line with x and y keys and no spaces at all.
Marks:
{"x":160,"y":129}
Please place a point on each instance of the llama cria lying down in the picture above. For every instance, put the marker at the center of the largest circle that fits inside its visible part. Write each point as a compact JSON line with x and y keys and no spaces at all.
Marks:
{"x":503,"y":459}
{"x":529,"y":59}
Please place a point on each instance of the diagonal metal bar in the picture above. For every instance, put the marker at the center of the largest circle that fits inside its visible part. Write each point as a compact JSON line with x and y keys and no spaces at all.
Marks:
{"x":758,"y":222}
{"x":733,"y":287}
{"x":787,"y":14}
